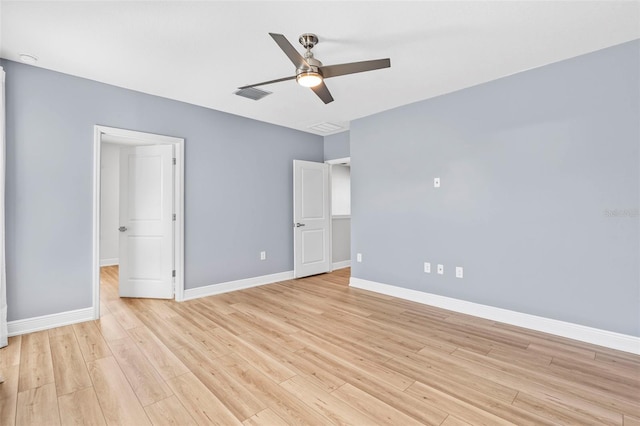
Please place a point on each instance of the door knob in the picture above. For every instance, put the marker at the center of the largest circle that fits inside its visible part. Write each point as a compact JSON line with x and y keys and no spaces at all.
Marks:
{"x":298,"y":225}
{"x":122,"y":228}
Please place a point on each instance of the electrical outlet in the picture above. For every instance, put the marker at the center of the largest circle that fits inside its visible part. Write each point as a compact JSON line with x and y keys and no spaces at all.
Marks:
{"x":440,"y":269}
{"x":459,"y":272}
{"x":359,"y":257}
{"x":436,"y":182}
{"x":263,"y":255}
{"x":427,"y":267}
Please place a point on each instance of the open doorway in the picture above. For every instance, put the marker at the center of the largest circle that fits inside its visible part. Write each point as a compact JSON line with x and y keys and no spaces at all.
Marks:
{"x":322,"y":217}
{"x":341,"y":214}
{"x":138,"y":214}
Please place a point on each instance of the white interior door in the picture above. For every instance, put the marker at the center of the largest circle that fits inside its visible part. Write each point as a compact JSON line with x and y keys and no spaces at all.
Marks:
{"x":146,"y":221}
{"x":312,"y":218}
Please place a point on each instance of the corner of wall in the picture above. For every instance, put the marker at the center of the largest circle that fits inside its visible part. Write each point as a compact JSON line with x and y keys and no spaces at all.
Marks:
{"x":337,"y":146}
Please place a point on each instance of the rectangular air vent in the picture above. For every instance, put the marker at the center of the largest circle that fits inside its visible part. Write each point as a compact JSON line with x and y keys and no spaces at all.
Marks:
{"x":325,"y":127}
{"x":252,"y":93}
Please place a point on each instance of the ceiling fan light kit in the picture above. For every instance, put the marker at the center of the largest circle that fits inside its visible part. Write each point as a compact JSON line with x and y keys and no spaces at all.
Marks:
{"x":308,"y":78}
{"x":310,"y":72}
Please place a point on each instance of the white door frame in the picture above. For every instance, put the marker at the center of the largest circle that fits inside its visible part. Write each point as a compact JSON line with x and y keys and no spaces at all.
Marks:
{"x":130,"y":137}
{"x":344,"y":160}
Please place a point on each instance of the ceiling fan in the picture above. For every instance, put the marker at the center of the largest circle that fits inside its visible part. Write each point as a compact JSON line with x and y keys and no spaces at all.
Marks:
{"x":311,"y":73}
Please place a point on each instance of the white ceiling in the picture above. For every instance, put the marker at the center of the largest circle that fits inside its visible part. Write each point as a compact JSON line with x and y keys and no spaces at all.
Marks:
{"x":200,"y":52}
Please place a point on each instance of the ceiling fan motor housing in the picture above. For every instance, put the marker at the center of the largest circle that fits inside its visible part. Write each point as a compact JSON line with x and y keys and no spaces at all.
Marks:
{"x":314,"y":65}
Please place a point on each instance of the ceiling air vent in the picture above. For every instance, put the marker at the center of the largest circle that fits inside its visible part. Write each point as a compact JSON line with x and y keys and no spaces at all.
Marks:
{"x":326,"y":127}
{"x":252,"y":93}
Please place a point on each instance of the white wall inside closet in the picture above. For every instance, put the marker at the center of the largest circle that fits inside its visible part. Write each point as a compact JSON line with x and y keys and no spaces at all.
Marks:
{"x":341,"y":215}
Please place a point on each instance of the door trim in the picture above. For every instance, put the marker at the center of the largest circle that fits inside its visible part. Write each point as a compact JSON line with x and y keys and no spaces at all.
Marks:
{"x":344,"y":160}
{"x":130,"y":137}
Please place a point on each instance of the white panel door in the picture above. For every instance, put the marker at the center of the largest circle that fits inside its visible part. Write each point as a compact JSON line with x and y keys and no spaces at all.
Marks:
{"x":146,"y":221}
{"x":311,"y":218}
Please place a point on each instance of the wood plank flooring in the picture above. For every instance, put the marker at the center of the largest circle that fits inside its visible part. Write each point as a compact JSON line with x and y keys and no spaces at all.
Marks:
{"x":309,"y":351}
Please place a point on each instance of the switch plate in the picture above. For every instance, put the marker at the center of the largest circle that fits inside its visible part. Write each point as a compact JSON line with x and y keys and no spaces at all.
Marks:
{"x":427,"y":267}
{"x":263,"y":255}
{"x":440,"y":269}
{"x":436,"y":182}
{"x":459,"y":272}
{"x":359,"y":257}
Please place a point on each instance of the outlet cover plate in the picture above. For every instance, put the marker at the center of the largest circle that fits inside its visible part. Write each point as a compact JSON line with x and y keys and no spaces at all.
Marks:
{"x":427,"y":267}
{"x":459,"y":272}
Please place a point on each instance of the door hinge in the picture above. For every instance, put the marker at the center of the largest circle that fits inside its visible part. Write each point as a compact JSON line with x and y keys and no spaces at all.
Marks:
{"x":174,"y":216}
{"x":174,"y":161}
{"x":173,"y":273}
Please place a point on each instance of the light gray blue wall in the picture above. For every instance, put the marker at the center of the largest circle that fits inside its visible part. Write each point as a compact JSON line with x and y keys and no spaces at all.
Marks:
{"x":533,"y":166}
{"x":238,"y":186}
{"x":336,"y":146}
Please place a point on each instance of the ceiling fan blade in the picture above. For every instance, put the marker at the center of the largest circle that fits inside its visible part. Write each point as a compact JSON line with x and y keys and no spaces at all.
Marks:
{"x":354,"y":67}
{"x":268,"y":82}
{"x":290,"y":51}
{"x":323,"y":93}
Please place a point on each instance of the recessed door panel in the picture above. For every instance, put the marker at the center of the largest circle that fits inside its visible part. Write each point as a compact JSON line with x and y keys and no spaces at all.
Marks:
{"x":145,"y":257}
{"x":313,"y":197}
{"x":313,"y":244}
{"x":145,"y":189}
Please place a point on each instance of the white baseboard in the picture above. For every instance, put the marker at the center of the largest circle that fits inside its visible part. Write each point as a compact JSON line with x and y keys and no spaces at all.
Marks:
{"x":46,"y":322}
{"x":340,"y":265}
{"x":609,"y":339}
{"x":213,"y":289}
{"x":109,"y":262}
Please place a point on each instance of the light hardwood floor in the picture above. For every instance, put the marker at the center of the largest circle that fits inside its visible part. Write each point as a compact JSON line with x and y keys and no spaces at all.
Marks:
{"x":309,"y":351}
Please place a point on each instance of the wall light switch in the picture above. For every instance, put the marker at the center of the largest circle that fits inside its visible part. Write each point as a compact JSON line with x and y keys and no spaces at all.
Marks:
{"x":436,"y":182}
{"x":440,"y":269}
{"x":427,"y":267}
{"x":263,"y":255}
{"x":359,"y":257}
{"x":459,"y":272}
